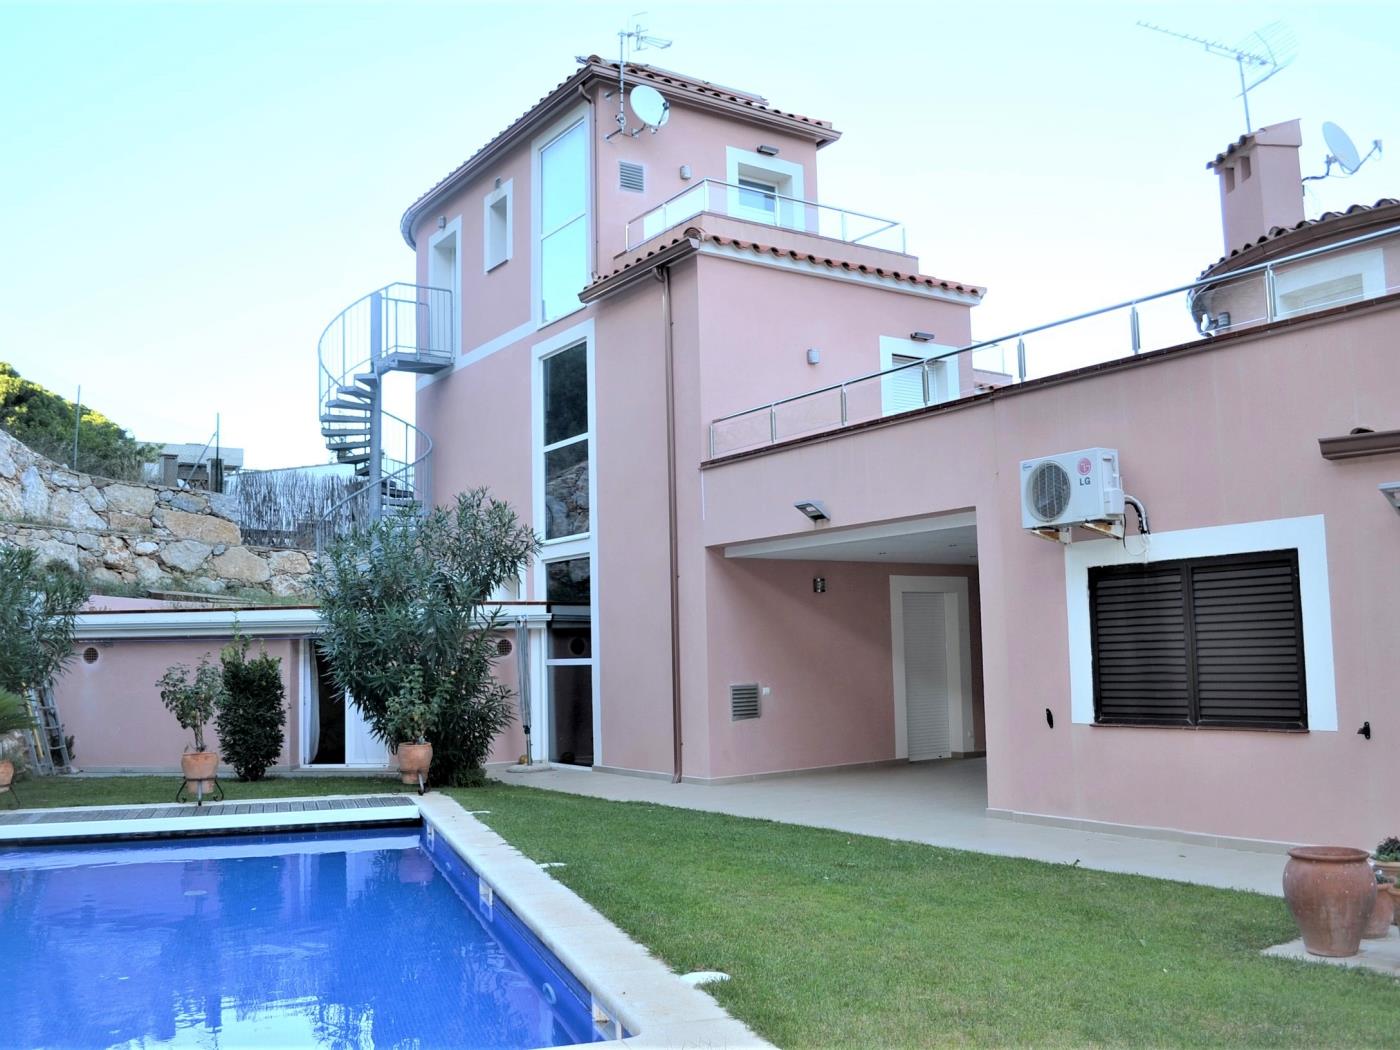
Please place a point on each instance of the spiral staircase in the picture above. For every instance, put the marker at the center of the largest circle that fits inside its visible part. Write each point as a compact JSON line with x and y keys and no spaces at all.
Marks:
{"x":398,"y":328}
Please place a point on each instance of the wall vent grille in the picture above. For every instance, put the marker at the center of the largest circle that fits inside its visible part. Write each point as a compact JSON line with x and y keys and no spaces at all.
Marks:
{"x":743,"y":701}
{"x":631,"y":176}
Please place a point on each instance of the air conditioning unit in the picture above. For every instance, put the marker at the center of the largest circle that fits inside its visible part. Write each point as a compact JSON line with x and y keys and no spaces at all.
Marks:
{"x":1073,"y":488}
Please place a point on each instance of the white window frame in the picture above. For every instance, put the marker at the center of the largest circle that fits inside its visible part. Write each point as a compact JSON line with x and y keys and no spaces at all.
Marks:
{"x":453,"y":281}
{"x":504,"y":192}
{"x":1369,"y":264}
{"x":584,"y":544}
{"x":579,"y":114}
{"x":788,"y":179}
{"x":1308,"y":536}
{"x":944,"y":384}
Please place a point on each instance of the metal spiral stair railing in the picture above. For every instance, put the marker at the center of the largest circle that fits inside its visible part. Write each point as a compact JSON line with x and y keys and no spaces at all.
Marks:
{"x":403,"y":328}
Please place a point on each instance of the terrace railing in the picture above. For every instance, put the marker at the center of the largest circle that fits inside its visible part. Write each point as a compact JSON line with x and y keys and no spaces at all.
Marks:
{"x":1253,"y":295}
{"x":771,"y":208}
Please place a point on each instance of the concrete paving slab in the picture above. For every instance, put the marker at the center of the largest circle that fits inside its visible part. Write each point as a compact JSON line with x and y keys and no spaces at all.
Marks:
{"x":1379,"y":956}
{"x":938,"y":803}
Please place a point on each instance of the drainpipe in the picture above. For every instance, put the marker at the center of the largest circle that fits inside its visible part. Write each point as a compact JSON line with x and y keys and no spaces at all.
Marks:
{"x":676,"y":744}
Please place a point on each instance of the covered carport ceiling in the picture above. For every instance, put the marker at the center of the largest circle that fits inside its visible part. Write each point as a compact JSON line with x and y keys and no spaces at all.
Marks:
{"x":947,"y":539}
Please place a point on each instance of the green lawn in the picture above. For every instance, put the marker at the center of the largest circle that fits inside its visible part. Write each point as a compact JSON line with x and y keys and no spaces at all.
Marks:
{"x":840,"y":940}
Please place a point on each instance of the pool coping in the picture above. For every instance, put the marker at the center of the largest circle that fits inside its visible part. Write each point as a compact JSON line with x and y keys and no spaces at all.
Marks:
{"x":57,"y":825}
{"x":626,"y":981}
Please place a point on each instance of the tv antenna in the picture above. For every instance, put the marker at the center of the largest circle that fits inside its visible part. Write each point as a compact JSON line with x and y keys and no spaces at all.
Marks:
{"x":649,"y":105}
{"x":1259,"y":56}
{"x":1341,"y":151}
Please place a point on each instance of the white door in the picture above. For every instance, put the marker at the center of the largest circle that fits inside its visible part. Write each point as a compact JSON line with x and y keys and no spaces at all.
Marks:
{"x":926,"y":678}
{"x":361,"y":749}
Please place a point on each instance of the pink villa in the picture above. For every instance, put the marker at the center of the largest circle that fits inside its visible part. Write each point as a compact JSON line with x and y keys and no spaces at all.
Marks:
{"x":795,"y":517}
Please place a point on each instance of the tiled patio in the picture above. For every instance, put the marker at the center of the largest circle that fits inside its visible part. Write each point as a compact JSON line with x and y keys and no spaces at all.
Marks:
{"x":940,"y":803}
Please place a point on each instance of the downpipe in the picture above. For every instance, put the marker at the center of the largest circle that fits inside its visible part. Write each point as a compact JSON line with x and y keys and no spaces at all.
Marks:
{"x":677,"y":744}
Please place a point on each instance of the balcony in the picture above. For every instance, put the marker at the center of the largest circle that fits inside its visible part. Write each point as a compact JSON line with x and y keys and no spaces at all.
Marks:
{"x":1353,"y":270}
{"x":757,"y":205}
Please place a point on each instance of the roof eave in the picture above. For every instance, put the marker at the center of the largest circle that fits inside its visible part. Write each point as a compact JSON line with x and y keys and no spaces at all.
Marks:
{"x":683,"y":248}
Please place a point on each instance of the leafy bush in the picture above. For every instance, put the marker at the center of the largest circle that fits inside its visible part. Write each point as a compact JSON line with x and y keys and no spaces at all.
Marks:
{"x":250,"y":710}
{"x":1388,"y":849}
{"x":37,"y":607}
{"x":409,"y":713}
{"x":44,"y":421}
{"x":15,"y":717}
{"x":405,"y":595}
{"x":192,"y":700}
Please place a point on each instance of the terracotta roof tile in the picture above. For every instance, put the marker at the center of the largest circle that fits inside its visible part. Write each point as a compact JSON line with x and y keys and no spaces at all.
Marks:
{"x":696,"y":233}
{"x":1279,"y":233}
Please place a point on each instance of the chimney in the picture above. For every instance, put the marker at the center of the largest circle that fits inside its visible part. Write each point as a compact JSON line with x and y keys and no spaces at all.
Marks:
{"x":1261,"y":183}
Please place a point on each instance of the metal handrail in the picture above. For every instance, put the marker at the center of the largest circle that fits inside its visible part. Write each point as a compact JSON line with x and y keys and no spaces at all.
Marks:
{"x":1267,"y":268}
{"x":325,"y":526}
{"x":702,"y":187}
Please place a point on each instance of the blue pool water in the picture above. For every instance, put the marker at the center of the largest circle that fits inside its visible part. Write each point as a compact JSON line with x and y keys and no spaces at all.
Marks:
{"x":348,"y":939}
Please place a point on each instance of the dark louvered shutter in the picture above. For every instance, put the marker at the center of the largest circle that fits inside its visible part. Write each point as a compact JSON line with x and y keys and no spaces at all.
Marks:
{"x":1141,"y":658}
{"x":1249,"y":642}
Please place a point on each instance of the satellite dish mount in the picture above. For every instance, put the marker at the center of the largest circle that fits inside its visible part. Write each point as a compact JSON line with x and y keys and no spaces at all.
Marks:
{"x":1342,"y":152}
{"x":648,"y":104}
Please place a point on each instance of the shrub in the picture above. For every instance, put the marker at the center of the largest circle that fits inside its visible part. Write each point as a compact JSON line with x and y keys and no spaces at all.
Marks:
{"x":15,"y":717}
{"x":250,"y":710}
{"x":410,"y":714}
{"x":407,"y":594}
{"x":192,"y":700}
{"x":1388,"y":849}
{"x":37,"y":607}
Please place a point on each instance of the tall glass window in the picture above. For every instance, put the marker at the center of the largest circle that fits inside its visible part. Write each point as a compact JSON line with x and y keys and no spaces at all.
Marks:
{"x":566,"y":443}
{"x":563,"y":206}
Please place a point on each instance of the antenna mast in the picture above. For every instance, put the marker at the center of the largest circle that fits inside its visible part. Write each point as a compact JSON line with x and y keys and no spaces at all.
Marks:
{"x":1264,"y":54}
{"x":630,"y":41}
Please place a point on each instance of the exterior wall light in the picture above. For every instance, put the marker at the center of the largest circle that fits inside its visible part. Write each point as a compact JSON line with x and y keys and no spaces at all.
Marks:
{"x":921,"y":337}
{"x":814,"y":355}
{"x":769,"y":151}
{"x":1391,"y":491}
{"x":812,"y":509}
{"x":442,"y":222}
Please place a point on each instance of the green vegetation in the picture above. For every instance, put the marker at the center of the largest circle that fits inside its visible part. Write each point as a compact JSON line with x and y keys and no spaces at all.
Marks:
{"x":837,"y":940}
{"x":250,"y":711}
{"x":192,"y":698}
{"x":402,"y":597}
{"x":1388,"y":849}
{"x":37,"y":609}
{"x":44,"y":421}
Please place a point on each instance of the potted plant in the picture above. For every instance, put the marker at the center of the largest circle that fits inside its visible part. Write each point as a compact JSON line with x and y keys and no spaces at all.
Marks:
{"x":1383,"y":912}
{"x":1387,"y":857}
{"x":192,"y":700}
{"x":409,"y":717}
{"x":14,"y":718}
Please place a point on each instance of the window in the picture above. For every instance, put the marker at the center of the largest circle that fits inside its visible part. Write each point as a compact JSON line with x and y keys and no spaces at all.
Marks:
{"x":759,"y":196}
{"x":1344,"y":278}
{"x":497,"y":227}
{"x":904,"y":390}
{"x":1199,"y":642}
{"x":563,"y":222}
{"x":565,"y":382}
{"x":567,"y":582}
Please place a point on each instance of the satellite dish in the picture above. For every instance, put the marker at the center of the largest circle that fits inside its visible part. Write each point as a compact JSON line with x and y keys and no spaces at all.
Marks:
{"x":1339,"y":142}
{"x":651,"y":107}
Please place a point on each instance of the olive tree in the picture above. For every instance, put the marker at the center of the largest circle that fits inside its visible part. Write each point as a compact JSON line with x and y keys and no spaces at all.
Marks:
{"x":404,"y":606}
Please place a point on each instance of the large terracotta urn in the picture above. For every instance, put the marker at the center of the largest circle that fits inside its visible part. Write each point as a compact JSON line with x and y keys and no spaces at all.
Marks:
{"x":1331,"y":891}
{"x":1382,"y":915}
{"x":199,"y":768}
{"x":413,"y":760}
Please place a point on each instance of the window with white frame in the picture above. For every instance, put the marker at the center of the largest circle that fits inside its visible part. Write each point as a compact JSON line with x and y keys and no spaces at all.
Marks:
{"x":1344,"y":278}
{"x":497,"y":226}
{"x":565,"y":443}
{"x":563,"y":222}
{"x":765,"y":189}
{"x":912,"y":386}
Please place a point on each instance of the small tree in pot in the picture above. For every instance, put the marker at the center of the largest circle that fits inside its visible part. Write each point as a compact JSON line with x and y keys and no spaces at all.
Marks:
{"x":193,"y":700}
{"x":408,"y":716}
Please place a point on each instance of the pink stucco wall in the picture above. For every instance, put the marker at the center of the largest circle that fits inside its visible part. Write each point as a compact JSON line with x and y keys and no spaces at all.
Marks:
{"x":1224,"y":434}
{"x":112,"y":707}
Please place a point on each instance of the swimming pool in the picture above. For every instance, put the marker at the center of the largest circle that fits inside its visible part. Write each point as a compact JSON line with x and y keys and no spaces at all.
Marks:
{"x":348,"y":939}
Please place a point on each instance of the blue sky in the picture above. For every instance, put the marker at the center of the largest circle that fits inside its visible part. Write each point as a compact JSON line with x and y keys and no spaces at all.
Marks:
{"x":189,"y":191}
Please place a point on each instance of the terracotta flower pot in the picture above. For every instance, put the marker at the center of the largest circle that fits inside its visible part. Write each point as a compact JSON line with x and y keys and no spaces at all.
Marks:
{"x":1382,"y":915}
{"x":1389,"y":867}
{"x":199,"y":768}
{"x":414,"y":759}
{"x":7,"y":773}
{"x":1331,"y":891}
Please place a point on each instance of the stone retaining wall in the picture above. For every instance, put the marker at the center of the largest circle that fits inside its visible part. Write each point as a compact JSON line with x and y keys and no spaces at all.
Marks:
{"x":126,"y":534}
